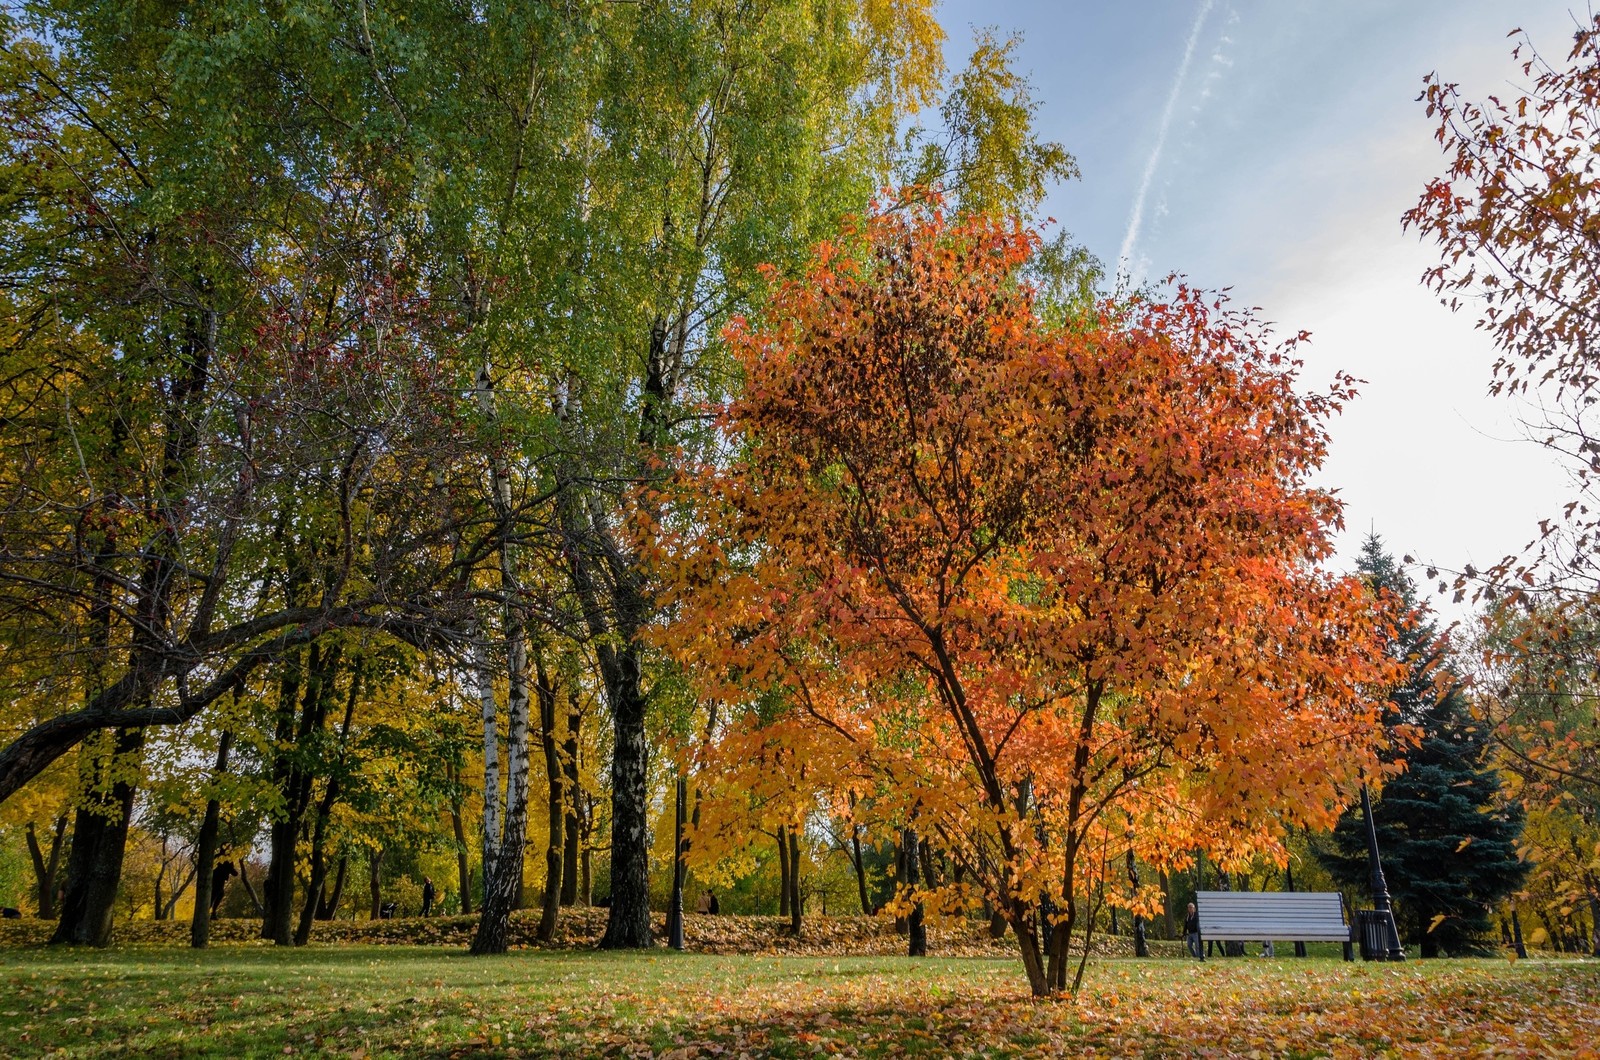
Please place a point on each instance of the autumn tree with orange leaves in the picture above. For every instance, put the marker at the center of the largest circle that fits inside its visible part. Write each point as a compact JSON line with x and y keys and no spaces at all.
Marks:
{"x":1053,"y":589}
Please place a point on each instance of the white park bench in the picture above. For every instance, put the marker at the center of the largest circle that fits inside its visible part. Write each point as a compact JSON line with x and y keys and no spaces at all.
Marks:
{"x":1257,"y":916}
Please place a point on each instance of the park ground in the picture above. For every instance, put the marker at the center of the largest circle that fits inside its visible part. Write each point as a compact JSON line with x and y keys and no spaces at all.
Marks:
{"x":361,"y":1000}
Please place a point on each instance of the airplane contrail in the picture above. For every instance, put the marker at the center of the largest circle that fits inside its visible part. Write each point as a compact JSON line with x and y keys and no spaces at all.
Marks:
{"x":1136,"y":219}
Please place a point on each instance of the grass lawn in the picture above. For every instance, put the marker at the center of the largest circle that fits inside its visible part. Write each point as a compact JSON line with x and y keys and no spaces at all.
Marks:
{"x":240,"y":1001}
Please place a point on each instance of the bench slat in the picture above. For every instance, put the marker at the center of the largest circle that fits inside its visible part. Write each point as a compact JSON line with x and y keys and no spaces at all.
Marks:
{"x":1244,"y":916}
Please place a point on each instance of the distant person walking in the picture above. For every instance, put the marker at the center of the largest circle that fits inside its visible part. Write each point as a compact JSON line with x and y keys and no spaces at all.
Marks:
{"x":427,"y":895}
{"x":704,"y":904}
{"x":1191,"y":932}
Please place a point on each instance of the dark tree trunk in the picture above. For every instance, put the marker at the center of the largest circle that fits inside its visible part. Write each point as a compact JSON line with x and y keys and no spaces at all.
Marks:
{"x":330,"y":796}
{"x":1594,"y":926}
{"x":315,"y":885}
{"x":586,"y":875}
{"x":45,"y":868}
{"x":277,"y":891}
{"x":916,"y":930}
{"x":900,"y":924}
{"x":861,"y":870}
{"x":300,"y":712}
{"x":94,"y":869}
{"x":463,"y":858}
{"x":1288,"y":882}
{"x":328,"y":907}
{"x":1167,"y":925}
{"x":796,"y":906}
{"x":1140,"y":947}
{"x":205,"y":854}
{"x":783,"y":871}
{"x":615,"y":612}
{"x":250,"y":888}
{"x":675,"y":909}
{"x":570,"y":831}
{"x":545,"y":692}
{"x":628,"y":925}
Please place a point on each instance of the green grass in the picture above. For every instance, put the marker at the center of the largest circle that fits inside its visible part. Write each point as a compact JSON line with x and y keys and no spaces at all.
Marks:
{"x":241,"y":1001}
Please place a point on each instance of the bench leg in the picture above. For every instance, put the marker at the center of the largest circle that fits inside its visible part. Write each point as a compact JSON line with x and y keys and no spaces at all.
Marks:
{"x":1349,"y":953}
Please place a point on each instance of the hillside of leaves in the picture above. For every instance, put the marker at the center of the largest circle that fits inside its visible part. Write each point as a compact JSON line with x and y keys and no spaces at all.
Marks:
{"x":582,"y":928}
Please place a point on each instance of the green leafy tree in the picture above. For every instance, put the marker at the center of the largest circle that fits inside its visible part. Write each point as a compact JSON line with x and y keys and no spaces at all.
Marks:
{"x":1447,"y":837}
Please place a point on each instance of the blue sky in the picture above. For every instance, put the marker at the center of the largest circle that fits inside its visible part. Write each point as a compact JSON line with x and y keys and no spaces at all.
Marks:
{"x":1295,"y":143}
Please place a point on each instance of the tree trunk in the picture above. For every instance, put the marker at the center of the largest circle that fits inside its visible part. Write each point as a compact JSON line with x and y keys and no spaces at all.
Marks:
{"x":161,"y":875}
{"x":1140,"y":947}
{"x":586,"y":877}
{"x":463,"y":859}
{"x":165,"y":912}
{"x":1060,"y":932}
{"x":680,"y":802}
{"x":783,"y":871}
{"x":249,"y":888}
{"x":796,"y":906}
{"x":319,"y":878}
{"x":505,"y":823}
{"x":205,"y":854}
{"x":328,"y":907}
{"x":555,"y":804}
{"x":302,"y":707}
{"x":94,"y":869}
{"x":1288,"y":882}
{"x":330,"y":796}
{"x":917,"y":932}
{"x":628,"y":925}
{"x":45,"y":868}
{"x":861,"y":869}
{"x":570,"y":789}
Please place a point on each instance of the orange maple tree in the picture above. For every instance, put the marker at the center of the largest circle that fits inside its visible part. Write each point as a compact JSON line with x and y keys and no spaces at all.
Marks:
{"x":1055,"y":588}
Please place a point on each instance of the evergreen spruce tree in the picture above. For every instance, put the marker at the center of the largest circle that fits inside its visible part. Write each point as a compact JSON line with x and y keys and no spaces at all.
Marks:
{"x":1448,"y":842}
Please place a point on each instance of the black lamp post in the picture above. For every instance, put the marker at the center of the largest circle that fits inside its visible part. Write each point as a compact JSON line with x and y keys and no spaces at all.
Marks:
{"x":1380,"y":886}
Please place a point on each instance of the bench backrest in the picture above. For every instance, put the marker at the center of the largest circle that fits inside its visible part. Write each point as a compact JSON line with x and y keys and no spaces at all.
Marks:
{"x":1306,"y":916}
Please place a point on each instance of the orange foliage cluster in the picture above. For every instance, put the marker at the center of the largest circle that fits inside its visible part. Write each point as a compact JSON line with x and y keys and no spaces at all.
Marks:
{"x":1045,"y":593}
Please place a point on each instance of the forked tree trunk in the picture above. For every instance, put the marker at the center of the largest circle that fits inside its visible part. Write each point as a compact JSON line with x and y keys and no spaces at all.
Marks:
{"x":328,"y":906}
{"x":205,"y":854}
{"x":94,"y":869}
{"x":302,"y":708}
{"x":319,"y":824}
{"x":45,"y":869}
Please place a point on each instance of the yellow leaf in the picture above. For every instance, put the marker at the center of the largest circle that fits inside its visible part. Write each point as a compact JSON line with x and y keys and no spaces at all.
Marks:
{"x":1436,"y":921}
{"x":1465,"y":843}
